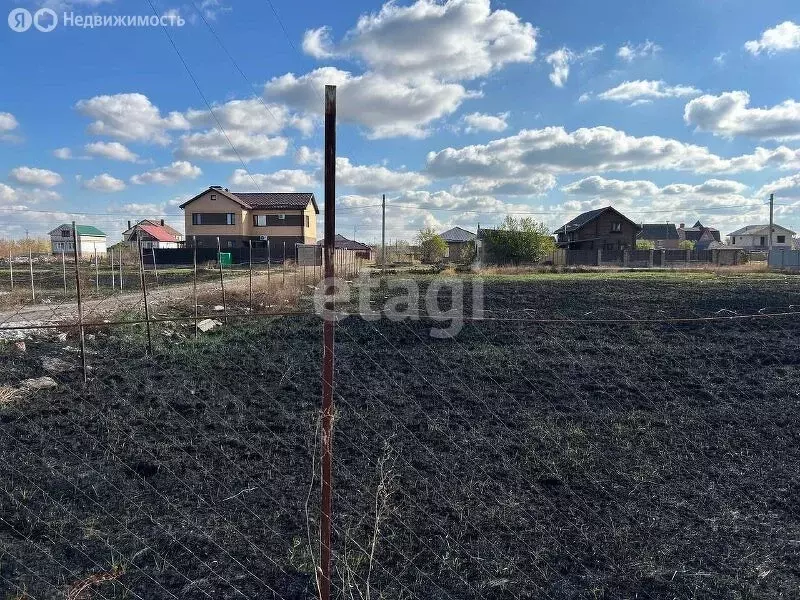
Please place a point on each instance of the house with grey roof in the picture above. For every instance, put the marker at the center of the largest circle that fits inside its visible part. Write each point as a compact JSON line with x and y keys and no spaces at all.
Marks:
{"x":704,"y":238}
{"x":663,"y":235}
{"x":460,"y":243}
{"x":602,"y":228}
{"x":239,"y":219}
{"x":89,"y":238}
{"x":756,"y":237}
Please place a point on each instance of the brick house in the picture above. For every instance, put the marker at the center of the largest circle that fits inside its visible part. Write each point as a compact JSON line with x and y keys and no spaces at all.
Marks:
{"x":663,"y":235}
{"x":603,"y":228}
{"x":239,"y":218}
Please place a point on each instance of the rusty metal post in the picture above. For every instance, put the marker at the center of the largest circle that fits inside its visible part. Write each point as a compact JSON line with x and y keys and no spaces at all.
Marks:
{"x":144,"y":296}
{"x":80,"y":300}
{"x":96,"y":273}
{"x":250,"y":259}
{"x":113,"y":275}
{"x":30,"y":266}
{"x":194,"y":284}
{"x":119,"y":266}
{"x":155,"y":266}
{"x":269,"y":258}
{"x":64,"y":269}
{"x":284,"y":264}
{"x":328,"y":339}
{"x":222,"y":280}
{"x":11,"y":268}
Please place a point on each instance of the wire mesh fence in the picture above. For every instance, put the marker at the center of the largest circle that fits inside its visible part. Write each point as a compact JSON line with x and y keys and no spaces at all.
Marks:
{"x":581,"y":436}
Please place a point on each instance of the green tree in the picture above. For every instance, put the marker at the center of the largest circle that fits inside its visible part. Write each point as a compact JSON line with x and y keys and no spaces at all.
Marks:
{"x":432,"y":247}
{"x":518,"y":241}
{"x":645,"y":245}
{"x":686,"y":245}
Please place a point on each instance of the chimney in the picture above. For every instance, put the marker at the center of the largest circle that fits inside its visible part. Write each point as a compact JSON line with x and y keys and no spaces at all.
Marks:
{"x":162,"y":222}
{"x":683,"y":226}
{"x":129,"y":224}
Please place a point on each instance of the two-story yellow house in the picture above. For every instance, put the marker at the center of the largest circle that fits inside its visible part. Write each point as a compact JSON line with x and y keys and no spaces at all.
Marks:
{"x":239,"y":218}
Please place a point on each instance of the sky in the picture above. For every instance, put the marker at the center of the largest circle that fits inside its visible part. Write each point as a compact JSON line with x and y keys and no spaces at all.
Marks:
{"x":461,"y":112}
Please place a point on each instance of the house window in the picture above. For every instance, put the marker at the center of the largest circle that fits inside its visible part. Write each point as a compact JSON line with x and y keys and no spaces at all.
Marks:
{"x":66,"y":233}
{"x":59,"y":245}
{"x":260,"y":220}
{"x":763,"y":241}
{"x":282,"y":217}
{"x":616,"y":227}
{"x":781,"y":239}
{"x":733,"y":240}
{"x":308,"y":221}
{"x":231,"y":219}
{"x":213,"y":197}
{"x":197,"y":219}
{"x":231,"y":243}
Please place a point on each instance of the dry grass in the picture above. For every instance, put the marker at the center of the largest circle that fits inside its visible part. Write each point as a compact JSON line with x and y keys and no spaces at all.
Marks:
{"x":81,"y":590}
{"x":7,"y":394}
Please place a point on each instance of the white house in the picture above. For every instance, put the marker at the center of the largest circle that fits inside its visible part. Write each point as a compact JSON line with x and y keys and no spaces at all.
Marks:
{"x":91,"y":240}
{"x":756,"y":237}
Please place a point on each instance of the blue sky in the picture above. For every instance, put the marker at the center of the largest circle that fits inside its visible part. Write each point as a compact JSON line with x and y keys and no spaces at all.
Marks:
{"x":459,"y":111}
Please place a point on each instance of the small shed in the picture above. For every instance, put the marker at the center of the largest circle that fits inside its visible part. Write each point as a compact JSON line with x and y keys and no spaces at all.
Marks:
{"x":459,"y":243}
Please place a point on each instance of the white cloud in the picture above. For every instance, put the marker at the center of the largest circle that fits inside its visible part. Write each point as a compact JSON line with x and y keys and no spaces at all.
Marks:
{"x":786,"y":187}
{"x":561,"y":60}
{"x":130,"y":117}
{"x":635,"y":91}
{"x":728,"y":115}
{"x":629,"y":52}
{"x":317,"y":43}
{"x":168,"y":175}
{"x":585,"y":97}
{"x":451,"y":40}
{"x":249,"y":116}
{"x":63,"y":153}
{"x":285,"y":180}
{"x":35,"y":177}
{"x":536,"y":185}
{"x":237,"y":145}
{"x":7,"y":122}
{"x":719,"y":59}
{"x":387,"y":107}
{"x":104,"y":183}
{"x":600,"y":187}
{"x":13,"y":196}
{"x":554,"y":150}
{"x":307,"y":156}
{"x":111,"y":150}
{"x":781,"y":38}
{"x":375,"y":179}
{"x":482,"y":122}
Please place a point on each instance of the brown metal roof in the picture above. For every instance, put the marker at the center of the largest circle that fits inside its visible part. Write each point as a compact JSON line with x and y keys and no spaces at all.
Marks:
{"x":264,"y":200}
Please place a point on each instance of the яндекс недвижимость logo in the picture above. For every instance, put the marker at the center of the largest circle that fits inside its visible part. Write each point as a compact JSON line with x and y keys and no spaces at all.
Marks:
{"x":21,"y":19}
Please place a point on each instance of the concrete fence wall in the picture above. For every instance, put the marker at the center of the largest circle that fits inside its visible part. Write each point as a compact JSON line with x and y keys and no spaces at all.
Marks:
{"x":784,"y":259}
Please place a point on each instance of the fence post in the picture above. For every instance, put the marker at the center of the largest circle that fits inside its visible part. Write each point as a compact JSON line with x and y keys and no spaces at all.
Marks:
{"x":688,"y":257}
{"x":599,"y":256}
{"x":155,"y":265}
{"x":269,"y":259}
{"x":194,"y":284}
{"x":663,"y":259}
{"x":80,"y":301}
{"x":144,"y":296}
{"x":96,"y":272}
{"x":64,"y":269}
{"x":222,"y":280}
{"x":284,"y":264}
{"x":11,"y":269}
{"x":626,"y":258}
{"x":650,"y":259}
{"x":113,"y":280}
{"x":326,"y":519}
{"x":250,"y":260}
{"x":30,"y":266}
{"x":119,"y":266}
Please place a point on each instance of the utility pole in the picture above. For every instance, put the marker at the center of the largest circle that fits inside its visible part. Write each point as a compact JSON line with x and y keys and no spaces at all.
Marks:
{"x":328,"y":337}
{"x":771,"y":222}
{"x":383,"y":235}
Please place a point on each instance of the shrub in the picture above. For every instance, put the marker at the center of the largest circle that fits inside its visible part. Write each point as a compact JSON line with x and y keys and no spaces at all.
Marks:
{"x":518,"y":240}
{"x":432,"y":247}
{"x":686,"y":245}
{"x":645,"y":245}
